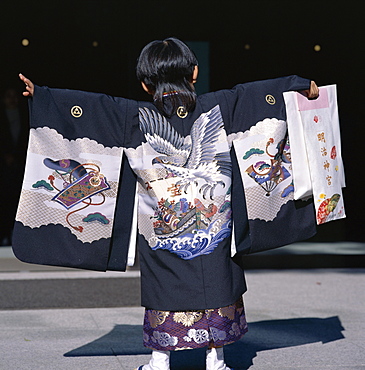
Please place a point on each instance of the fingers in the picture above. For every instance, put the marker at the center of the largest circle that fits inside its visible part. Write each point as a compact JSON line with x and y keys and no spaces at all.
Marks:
{"x":313,"y":91}
{"x":28,"y":92}
{"x":29,"y":86}
{"x":25,"y":80}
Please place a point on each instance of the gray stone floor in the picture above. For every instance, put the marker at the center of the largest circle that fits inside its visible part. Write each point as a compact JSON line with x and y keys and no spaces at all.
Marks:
{"x":298,"y":319}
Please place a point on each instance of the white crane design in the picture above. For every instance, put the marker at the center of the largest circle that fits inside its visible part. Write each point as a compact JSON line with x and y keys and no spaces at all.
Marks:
{"x":193,"y":160}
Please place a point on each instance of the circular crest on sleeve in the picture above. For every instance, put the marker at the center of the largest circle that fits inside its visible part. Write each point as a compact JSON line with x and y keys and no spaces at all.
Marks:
{"x":76,"y":111}
{"x":270,"y":99}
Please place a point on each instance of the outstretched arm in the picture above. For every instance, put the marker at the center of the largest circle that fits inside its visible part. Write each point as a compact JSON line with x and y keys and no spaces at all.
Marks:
{"x":29,"y":86}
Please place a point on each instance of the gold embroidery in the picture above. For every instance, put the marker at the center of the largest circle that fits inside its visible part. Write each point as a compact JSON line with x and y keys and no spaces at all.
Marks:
{"x":208,"y":312}
{"x":188,"y":318}
{"x":157,"y":317}
{"x":270,"y":99}
{"x":228,"y":311}
{"x":181,"y":112}
{"x":239,"y":306}
{"x":76,"y":111}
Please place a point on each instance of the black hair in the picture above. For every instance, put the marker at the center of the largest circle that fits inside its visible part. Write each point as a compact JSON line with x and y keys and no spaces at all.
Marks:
{"x":166,"y":67}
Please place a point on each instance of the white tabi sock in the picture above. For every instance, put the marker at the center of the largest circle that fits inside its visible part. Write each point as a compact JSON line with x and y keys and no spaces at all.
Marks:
{"x":160,"y":360}
{"x":215,"y":359}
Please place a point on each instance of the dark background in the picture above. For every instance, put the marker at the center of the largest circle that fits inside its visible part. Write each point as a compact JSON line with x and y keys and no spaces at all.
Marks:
{"x":281,"y":35}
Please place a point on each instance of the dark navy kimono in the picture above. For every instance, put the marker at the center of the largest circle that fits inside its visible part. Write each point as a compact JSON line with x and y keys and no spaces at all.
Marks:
{"x":98,"y":166}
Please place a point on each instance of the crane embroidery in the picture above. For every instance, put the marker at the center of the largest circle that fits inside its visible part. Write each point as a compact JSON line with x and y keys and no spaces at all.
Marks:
{"x":190,"y":226}
{"x":190,"y":161}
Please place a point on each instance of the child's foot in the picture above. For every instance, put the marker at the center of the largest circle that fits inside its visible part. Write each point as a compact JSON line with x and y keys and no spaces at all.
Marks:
{"x":160,"y":360}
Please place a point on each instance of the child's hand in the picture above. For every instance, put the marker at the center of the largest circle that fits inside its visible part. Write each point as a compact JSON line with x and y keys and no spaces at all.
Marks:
{"x":29,"y":86}
{"x":312,"y":92}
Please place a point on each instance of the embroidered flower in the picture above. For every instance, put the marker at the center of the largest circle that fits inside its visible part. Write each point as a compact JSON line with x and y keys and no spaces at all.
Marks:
{"x":187,"y":318}
{"x":191,"y":333}
{"x":199,"y":336}
{"x":235,"y":329}
{"x":217,"y":334}
{"x":228,"y":312}
{"x":208,"y":313}
{"x":156,"y":318}
{"x":164,"y":339}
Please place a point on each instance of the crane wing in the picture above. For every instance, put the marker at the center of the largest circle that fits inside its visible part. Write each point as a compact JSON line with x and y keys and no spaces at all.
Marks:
{"x":204,"y":134}
{"x":159,"y":133}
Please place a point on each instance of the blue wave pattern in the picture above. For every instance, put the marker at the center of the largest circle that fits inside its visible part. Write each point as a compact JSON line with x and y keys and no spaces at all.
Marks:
{"x":193,"y":245}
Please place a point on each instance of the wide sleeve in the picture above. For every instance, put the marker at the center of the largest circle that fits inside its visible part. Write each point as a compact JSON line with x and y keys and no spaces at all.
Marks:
{"x":248,"y":103}
{"x":70,"y":211}
{"x":265,"y":214}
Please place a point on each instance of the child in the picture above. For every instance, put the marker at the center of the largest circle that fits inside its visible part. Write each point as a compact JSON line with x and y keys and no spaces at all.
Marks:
{"x":180,"y":148}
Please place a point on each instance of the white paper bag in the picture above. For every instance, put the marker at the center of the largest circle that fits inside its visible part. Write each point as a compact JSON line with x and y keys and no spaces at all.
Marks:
{"x":315,"y":145}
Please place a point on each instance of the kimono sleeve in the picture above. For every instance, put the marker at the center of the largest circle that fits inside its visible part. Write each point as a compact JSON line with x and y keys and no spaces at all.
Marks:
{"x":70,"y":212}
{"x":265,"y":214}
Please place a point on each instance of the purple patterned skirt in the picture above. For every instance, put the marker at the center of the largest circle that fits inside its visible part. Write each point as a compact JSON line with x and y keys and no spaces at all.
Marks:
{"x":174,"y":330}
